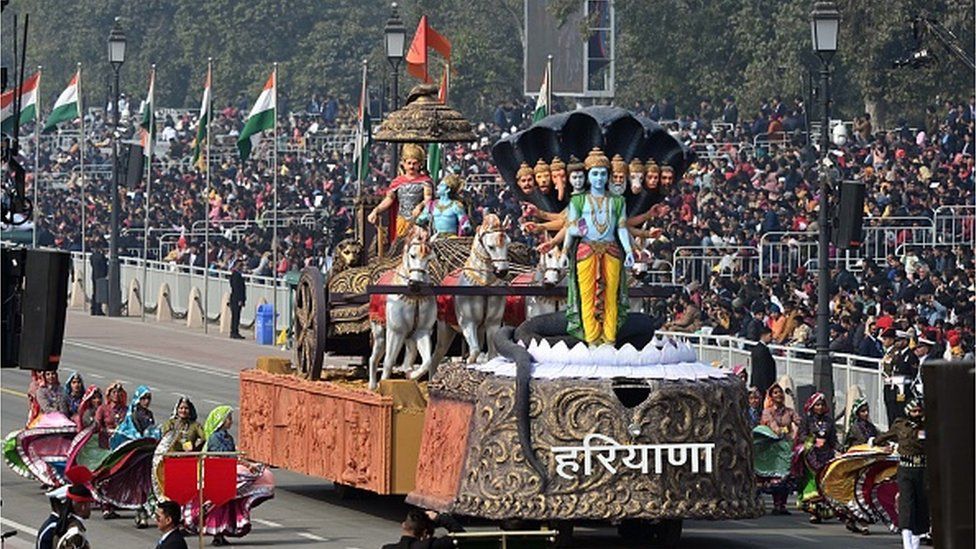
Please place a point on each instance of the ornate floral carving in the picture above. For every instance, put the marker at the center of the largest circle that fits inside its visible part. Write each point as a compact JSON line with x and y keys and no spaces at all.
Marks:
{"x":456,"y":381}
{"x":497,"y":483}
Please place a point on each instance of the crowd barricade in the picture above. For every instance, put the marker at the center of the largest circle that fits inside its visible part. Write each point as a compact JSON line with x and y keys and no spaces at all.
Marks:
{"x":698,"y":263}
{"x":850,"y":372}
{"x":955,"y":225}
{"x":479,"y":181}
{"x":182,"y":280}
{"x":333,"y":140}
{"x":765,"y":140}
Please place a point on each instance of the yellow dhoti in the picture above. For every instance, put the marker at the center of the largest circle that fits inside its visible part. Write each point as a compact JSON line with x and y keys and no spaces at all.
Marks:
{"x":598,"y":270}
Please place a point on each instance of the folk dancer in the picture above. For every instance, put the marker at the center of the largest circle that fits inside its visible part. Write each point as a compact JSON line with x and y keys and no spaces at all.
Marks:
{"x":860,"y":430}
{"x":597,"y":304}
{"x":816,"y":445}
{"x":913,"y":505}
{"x":782,"y":421}
{"x":139,"y":423}
{"x":446,"y":216}
{"x":408,"y":192}
{"x":255,"y":484}
{"x":74,"y":390}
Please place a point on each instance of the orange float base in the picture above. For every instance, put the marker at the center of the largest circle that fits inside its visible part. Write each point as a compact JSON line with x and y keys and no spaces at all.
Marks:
{"x":344,"y":433}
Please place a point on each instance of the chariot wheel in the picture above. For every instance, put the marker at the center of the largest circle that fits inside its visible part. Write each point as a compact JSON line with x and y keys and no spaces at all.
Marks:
{"x":310,"y":323}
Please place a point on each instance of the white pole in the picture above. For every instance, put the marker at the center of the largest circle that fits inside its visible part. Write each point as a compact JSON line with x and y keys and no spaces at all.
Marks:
{"x":81,"y":169}
{"x":37,"y":150}
{"x":274,"y":214}
{"x":363,"y":139}
{"x":206,"y":205}
{"x":149,"y":172}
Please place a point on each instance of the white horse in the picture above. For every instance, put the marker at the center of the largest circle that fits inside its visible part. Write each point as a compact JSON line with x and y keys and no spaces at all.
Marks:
{"x":409,"y":320}
{"x":478,"y":317}
{"x":549,"y":273}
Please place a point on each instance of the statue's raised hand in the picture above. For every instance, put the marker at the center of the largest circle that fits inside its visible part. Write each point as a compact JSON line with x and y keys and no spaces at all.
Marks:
{"x":629,"y":260}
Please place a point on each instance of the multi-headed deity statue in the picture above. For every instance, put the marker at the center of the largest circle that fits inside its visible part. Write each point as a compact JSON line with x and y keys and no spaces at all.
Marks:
{"x":596,"y":221}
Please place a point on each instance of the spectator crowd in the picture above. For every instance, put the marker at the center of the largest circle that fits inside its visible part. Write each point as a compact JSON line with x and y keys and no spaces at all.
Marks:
{"x":753,"y":176}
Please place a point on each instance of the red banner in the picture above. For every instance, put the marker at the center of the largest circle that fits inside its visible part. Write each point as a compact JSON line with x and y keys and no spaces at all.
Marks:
{"x":219,"y":479}
{"x":180,"y":479}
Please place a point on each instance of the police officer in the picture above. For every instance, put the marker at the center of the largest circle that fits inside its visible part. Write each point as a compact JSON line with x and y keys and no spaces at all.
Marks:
{"x":913,"y":505}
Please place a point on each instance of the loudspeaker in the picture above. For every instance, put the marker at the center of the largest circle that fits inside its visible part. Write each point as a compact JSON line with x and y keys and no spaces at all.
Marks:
{"x":134,"y":164}
{"x":849,"y":215}
{"x":12,"y":275}
{"x":45,"y":302}
{"x":949,"y":449}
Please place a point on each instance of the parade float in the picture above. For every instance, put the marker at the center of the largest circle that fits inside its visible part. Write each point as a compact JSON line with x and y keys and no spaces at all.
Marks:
{"x":575,"y":415}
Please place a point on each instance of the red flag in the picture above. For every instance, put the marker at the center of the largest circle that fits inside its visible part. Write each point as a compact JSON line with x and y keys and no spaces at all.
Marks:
{"x":180,"y":479}
{"x":442,"y":93}
{"x":424,"y":38}
{"x":219,"y":479}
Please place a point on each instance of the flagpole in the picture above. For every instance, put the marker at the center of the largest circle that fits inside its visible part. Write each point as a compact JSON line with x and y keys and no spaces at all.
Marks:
{"x":206,"y":205}
{"x":274,"y":205}
{"x":37,"y":149}
{"x":149,"y":155}
{"x":549,"y":85}
{"x":363,"y":108}
{"x":81,"y":169}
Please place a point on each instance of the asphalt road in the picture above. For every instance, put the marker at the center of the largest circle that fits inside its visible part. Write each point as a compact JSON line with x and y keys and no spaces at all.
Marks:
{"x":308,"y":511}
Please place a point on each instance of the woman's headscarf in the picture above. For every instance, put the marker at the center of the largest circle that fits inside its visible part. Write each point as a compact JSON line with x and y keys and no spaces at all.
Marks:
{"x":116,"y":386}
{"x":67,"y":384}
{"x":189,"y":404}
{"x":215,"y":421}
{"x":127,"y":429}
{"x":86,"y":400}
{"x":859,"y":403}
{"x":812,"y":401}
{"x":768,"y":404}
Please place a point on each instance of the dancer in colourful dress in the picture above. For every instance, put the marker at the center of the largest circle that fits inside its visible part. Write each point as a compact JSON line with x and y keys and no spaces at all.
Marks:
{"x":255,"y":484}
{"x":816,"y":445}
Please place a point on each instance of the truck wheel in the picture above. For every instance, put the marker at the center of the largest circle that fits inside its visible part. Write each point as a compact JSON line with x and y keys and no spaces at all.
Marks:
{"x":667,"y":533}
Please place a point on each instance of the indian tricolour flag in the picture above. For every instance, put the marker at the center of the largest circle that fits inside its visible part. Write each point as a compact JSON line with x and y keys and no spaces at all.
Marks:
{"x":28,"y":103}
{"x":542,"y":102}
{"x":67,"y":107}
{"x":147,"y":126}
{"x":202,"y":124}
{"x":261,"y":118}
{"x":363,"y":134}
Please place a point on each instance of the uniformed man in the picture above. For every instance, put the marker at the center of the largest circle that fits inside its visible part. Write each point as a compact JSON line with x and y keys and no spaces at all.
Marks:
{"x":913,"y":505}
{"x":899,"y":366}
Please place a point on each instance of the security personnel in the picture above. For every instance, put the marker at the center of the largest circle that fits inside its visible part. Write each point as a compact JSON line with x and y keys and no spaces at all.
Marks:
{"x":900,"y":366}
{"x":913,"y":505}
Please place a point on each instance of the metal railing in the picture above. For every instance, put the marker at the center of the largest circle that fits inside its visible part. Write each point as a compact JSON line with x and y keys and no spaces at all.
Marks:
{"x":955,"y":225}
{"x":181,"y":280}
{"x":698,"y":263}
{"x":851,"y":372}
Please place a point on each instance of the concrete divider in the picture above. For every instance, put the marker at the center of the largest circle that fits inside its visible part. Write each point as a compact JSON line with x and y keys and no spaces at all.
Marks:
{"x":134,"y":301}
{"x":194,"y":309}
{"x":164,"y":310}
{"x":225,"y":313}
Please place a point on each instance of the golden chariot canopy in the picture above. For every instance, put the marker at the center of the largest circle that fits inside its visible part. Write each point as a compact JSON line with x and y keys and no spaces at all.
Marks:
{"x":424,"y":119}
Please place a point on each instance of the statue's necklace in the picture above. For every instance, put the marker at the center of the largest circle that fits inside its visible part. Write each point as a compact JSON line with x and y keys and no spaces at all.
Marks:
{"x":601,"y":217}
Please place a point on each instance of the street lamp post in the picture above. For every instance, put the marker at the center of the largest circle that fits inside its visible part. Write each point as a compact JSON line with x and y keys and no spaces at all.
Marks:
{"x":396,"y":37}
{"x":824,"y":26}
{"x":116,"y":56}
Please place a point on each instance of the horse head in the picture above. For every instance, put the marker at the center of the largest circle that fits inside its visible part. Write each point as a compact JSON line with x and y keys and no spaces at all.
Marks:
{"x":417,"y":255}
{"x":552,"y":266}
{"x":491,"y":245}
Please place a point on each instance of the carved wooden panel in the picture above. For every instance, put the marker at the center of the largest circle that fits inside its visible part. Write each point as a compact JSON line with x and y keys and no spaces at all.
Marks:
{"x":443,"y":450}
{"x":317,"y":428}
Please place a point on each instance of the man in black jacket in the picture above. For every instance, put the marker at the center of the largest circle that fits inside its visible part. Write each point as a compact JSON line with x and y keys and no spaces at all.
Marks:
{"x":418,"y":531}
{"x":168,"y":518}
{"x":99,"y":270}
{"x":238,"y":295}
{"x":763,"y":364}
